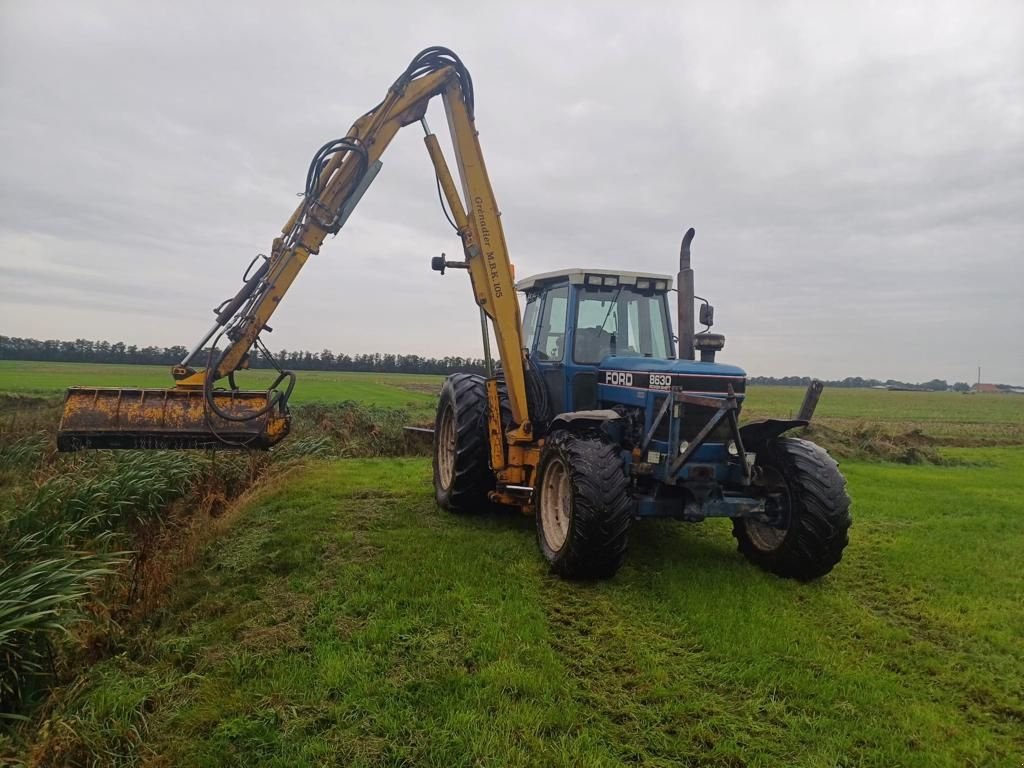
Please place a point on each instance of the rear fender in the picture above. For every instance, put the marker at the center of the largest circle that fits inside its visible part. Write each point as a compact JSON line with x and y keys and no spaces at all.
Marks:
{"x":758,"y":433}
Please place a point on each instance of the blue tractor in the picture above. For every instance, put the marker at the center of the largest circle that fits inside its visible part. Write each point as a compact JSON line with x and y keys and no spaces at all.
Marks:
{"x":628,"y":429}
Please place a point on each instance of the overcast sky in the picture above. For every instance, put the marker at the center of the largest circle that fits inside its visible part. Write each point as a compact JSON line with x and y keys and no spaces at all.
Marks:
{"x":855,"y":172}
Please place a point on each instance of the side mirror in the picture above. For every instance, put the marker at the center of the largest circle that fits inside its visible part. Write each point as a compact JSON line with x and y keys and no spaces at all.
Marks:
{"x":707,"y":315}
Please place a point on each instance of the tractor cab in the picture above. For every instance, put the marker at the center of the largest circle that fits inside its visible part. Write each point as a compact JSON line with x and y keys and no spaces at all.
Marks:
{"x":602,"y":342}
{"x":601,"y":338}
{"x":575,"y":319}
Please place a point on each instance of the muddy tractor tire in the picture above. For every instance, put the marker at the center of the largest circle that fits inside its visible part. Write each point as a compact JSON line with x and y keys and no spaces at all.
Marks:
{"x":583,"y":506}
{"x":807,"y":490}
{"x":462,"y":477}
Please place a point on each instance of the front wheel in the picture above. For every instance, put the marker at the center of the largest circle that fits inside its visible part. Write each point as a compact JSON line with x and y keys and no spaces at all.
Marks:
{"x":583,"y":506}
{"x":807,"y":493}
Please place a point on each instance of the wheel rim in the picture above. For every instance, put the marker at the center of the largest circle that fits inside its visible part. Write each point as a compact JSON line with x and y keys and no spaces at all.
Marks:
{"x":770,"y":537}
{"x":556,"y":504}
{"x":446,"y":448}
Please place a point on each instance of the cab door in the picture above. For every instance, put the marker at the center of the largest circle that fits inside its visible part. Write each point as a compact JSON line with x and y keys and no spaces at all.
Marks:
{"x":549,"y":348}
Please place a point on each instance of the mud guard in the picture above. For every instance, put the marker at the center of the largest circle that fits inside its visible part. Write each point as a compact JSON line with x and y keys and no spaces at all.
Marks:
{"x":760,"y":432}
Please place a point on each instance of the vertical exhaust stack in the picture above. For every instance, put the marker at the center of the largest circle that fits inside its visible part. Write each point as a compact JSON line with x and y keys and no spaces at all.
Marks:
{"x":684,"y":307}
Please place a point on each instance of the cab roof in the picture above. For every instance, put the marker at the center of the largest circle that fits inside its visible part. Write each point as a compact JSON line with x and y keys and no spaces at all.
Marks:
{"x":577,"y":276}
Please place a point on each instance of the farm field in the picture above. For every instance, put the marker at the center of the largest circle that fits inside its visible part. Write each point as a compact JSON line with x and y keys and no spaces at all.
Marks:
{"x":986,"y":418}
{"x":410,"y":391}
{"x":339,"y":617}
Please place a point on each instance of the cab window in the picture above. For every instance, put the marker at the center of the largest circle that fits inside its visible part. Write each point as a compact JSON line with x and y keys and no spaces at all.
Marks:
{"x":551,"y":335}
{"x":620,"y":321}
{"x":530,"y":319}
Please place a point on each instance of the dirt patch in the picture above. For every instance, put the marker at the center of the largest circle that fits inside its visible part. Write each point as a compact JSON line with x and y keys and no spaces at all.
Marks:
{"x":347,"y":626}
{"x":422,"y":387}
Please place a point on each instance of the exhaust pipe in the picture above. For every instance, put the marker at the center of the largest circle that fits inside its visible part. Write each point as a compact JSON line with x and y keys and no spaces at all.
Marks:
{"x":684,"y":294}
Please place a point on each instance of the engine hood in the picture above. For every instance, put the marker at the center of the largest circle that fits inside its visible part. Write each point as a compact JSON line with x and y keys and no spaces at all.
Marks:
{"x":669,"y":367}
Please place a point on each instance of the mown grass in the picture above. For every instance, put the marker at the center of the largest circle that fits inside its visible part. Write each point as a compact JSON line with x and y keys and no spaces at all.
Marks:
{"x":343,"y":619}
{"x":346,"y":620}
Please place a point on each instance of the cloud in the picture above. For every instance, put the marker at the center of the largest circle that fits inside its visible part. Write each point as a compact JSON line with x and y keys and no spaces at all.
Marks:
{"x":855,"y":172}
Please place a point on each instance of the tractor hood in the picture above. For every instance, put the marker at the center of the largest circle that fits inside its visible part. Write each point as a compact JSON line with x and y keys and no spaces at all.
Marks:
{"x":670,"y":367}
{"x":629,"y":377}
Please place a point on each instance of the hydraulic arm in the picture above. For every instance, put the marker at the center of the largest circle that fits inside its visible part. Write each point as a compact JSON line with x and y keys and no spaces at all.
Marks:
{"x":197,"y":411}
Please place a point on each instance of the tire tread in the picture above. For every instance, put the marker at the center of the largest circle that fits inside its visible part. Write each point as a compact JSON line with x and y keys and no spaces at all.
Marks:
{"x":473,"y":479}
{"x":819,"y":532}
{"x":602,"y":508}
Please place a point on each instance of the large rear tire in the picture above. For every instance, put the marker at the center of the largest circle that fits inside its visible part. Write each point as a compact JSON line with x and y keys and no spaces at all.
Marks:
{"x":583,"y":506}
{"x":808,"y":492}
{"x":462,"y":477}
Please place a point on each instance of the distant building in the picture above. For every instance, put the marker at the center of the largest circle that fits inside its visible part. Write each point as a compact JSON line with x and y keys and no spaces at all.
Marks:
{"x":1004,"y":389}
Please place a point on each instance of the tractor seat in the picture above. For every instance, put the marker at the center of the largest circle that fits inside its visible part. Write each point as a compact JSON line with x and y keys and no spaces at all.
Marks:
{"x":592,"y":345}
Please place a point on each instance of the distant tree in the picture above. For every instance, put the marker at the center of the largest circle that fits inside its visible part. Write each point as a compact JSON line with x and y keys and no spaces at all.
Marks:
{"x":86,"y":350}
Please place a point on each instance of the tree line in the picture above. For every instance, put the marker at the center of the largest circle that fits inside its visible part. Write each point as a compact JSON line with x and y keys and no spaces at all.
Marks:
{"x":935,"y":385}
{"x":88,"y":351}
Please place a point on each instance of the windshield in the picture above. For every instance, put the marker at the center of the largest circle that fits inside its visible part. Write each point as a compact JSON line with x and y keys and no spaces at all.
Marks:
{"x":620,"y":321}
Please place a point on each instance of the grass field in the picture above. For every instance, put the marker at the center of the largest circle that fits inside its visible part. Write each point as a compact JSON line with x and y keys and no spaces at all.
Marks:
{"x":996,"y":419}
{"x":348,"y":621}
{"x":411,"y":391}
{"x":342,"y":619}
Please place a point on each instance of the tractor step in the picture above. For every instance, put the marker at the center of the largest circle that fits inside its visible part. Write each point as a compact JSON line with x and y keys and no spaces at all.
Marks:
{"x":110,"y":417}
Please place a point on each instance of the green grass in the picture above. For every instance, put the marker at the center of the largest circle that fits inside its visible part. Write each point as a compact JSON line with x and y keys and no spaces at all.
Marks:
{"x":880,"y":405}
{"x":346,"y":620}
{"x":992,"y":418}
{"x":972,"y":419}
{"x":410,"y":391}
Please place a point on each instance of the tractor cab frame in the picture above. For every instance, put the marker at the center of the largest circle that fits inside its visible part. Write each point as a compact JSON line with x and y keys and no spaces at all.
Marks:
{"x":574,"y":318}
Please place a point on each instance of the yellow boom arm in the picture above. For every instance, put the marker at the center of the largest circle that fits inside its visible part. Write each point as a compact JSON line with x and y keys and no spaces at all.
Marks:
{"x":194,"y":412}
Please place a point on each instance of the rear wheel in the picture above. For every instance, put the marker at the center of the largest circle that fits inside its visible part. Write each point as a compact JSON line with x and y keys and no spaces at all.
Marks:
{"x":583,"y":506}
{"x":462,"y":477}
{"x":807,"y":493}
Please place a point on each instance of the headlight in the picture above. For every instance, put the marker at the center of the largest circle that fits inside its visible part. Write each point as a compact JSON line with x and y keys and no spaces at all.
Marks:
{"x":683,"y":445}
{"x":732,"y":448}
